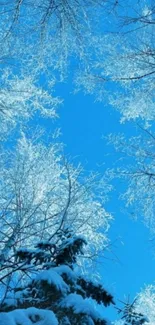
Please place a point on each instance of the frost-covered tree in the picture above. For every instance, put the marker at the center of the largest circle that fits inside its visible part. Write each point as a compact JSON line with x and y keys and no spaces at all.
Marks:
{"x":66,"y":41}
{"x":46,"y":278}
{"x":48,"y":203}
{"x":43,"y":15}
{"x":130,"y":314}
{"x":142,"y":310}
{"x":21,"y":98}
{"x":126,"y":61}
{"x":146,"y":302}
{"x":41,"y":193}
{"x":41,"y":43}
{"x":47,"y":34}
{"x":137,"y":168}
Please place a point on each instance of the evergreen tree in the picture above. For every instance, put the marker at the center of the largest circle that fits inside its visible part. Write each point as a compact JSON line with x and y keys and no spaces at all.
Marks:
{"x":55,"y":284}
{"x":131,"y":316}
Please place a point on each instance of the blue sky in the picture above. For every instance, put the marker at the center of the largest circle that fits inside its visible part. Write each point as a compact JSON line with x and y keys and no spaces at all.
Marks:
{"x":130,"y":264}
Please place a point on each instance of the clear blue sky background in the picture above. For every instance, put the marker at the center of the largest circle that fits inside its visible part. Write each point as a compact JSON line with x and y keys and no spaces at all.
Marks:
{"x":131,"y":264}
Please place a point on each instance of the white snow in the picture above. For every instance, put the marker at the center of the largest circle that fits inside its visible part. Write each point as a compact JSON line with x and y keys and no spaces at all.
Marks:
{"x":7,"y":319}
{"x":53,"y":278}
{"x":65,"y":269}
{"x":80,"y":305}
{"x":28,"y":316}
